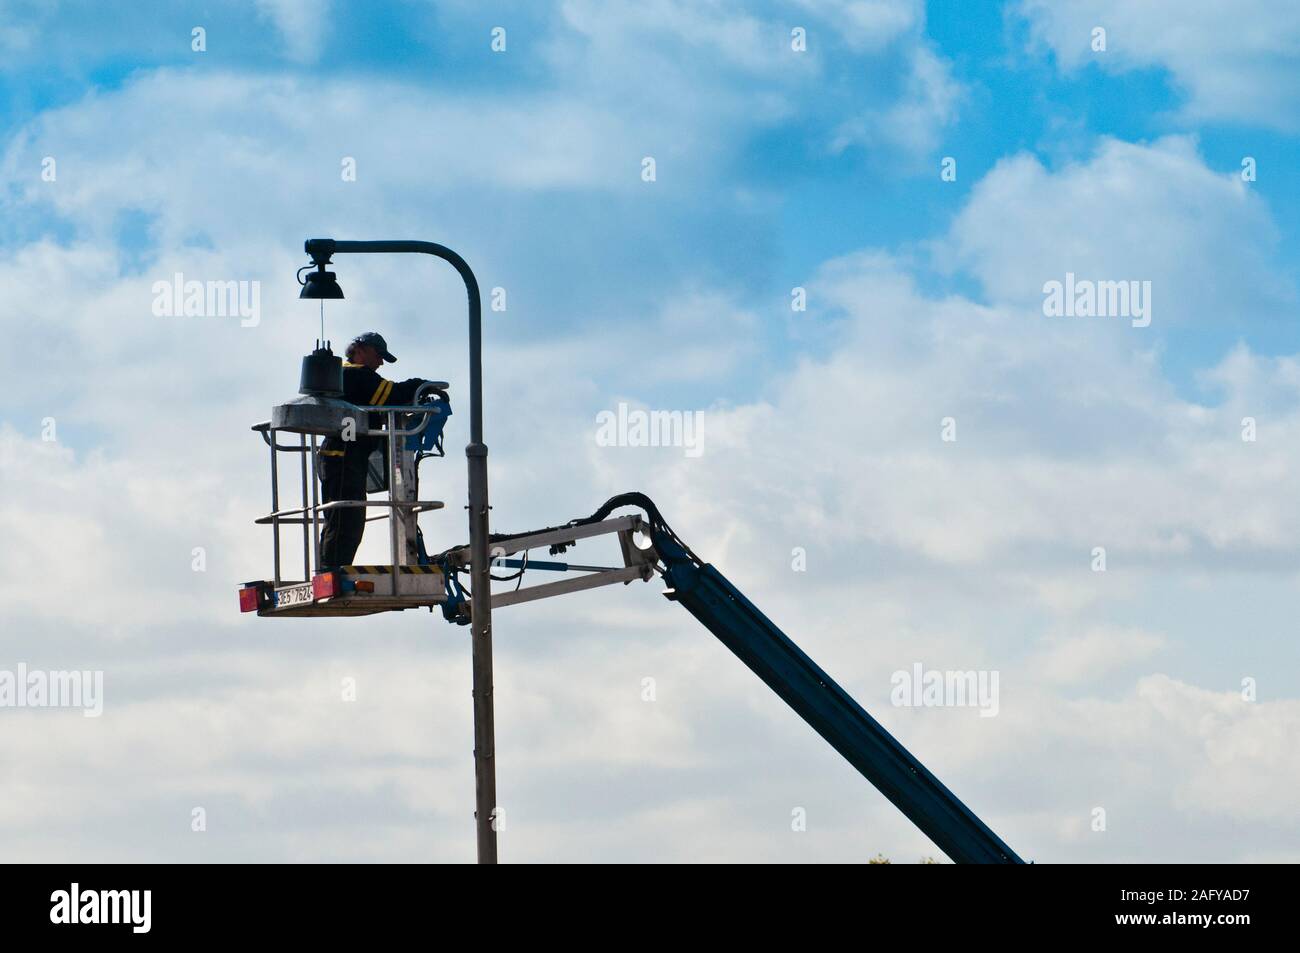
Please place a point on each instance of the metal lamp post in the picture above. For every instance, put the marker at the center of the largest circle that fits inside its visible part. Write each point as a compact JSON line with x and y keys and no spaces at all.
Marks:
{"x":321,"y":250}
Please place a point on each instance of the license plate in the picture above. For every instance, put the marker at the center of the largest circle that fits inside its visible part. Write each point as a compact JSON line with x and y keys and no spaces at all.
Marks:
{"x":293,"y":596}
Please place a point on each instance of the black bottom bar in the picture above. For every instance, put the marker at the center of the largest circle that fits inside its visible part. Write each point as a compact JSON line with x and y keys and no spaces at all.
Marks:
{"x":970,"y":906}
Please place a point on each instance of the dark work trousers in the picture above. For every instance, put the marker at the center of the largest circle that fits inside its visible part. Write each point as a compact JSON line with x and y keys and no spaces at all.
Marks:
{"x":342,"y":478}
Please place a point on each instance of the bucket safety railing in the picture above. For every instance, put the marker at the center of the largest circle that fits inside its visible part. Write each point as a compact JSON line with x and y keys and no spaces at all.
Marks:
{"x":308,"y":514}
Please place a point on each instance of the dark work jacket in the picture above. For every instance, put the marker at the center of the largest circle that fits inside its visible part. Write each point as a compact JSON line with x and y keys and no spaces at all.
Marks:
{"x":365,"y":388}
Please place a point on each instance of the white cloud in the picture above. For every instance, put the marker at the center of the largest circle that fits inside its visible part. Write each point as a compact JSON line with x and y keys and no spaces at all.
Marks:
{"x":1235,"y":64}
{"x":715,"y":63}
{"x":194,"y":147}
{"x":1131,"y":212}
{"x":914,"y":123}
{"x":868,"y":24}
{"x":1243,"y":755}
{"x":1097,"y":651}
{"x":301,"y":22}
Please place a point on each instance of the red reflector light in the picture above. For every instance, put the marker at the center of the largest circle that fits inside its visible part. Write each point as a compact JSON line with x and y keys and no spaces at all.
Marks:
{"x":324,"y":585}
{"x":250,"y":598}
{"x":365,"y":586}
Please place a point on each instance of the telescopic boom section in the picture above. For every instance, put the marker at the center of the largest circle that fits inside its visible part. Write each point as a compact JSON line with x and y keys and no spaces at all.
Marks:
{"x":832,"y":713}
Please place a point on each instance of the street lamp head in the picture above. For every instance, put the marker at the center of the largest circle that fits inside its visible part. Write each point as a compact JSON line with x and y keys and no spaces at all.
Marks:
{"x":321,"y":284}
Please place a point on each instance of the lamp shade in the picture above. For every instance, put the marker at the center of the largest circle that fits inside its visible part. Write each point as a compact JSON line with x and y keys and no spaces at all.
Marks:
{"x":321,"y":284}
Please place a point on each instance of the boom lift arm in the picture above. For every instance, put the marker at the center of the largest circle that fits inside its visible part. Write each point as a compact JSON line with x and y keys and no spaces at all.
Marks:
{"x":722,"y":609}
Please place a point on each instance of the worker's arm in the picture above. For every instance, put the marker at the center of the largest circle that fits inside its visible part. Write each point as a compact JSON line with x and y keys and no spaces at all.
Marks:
{"x":390,"y":393}
{"x":365,"y":388}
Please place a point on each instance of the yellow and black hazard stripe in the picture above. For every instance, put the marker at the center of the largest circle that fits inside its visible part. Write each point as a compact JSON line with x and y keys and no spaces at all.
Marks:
{"x":387,"y":570}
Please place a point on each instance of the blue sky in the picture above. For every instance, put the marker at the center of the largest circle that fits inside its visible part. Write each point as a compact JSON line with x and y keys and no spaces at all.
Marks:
{"x":776,"y":169}
{"x":820,"y":201}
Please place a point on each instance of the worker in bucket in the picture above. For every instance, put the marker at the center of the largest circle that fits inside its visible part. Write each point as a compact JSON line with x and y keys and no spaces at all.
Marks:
{"x":344,"y":463}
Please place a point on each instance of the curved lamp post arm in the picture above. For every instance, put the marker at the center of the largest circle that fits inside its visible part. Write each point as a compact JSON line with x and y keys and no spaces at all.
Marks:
{"x":320,"y":250}
{"x":485,"y":800}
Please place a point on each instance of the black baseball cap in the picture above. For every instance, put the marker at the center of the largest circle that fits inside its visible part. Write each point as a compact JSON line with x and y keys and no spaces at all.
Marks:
{"x":375,"y":340}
